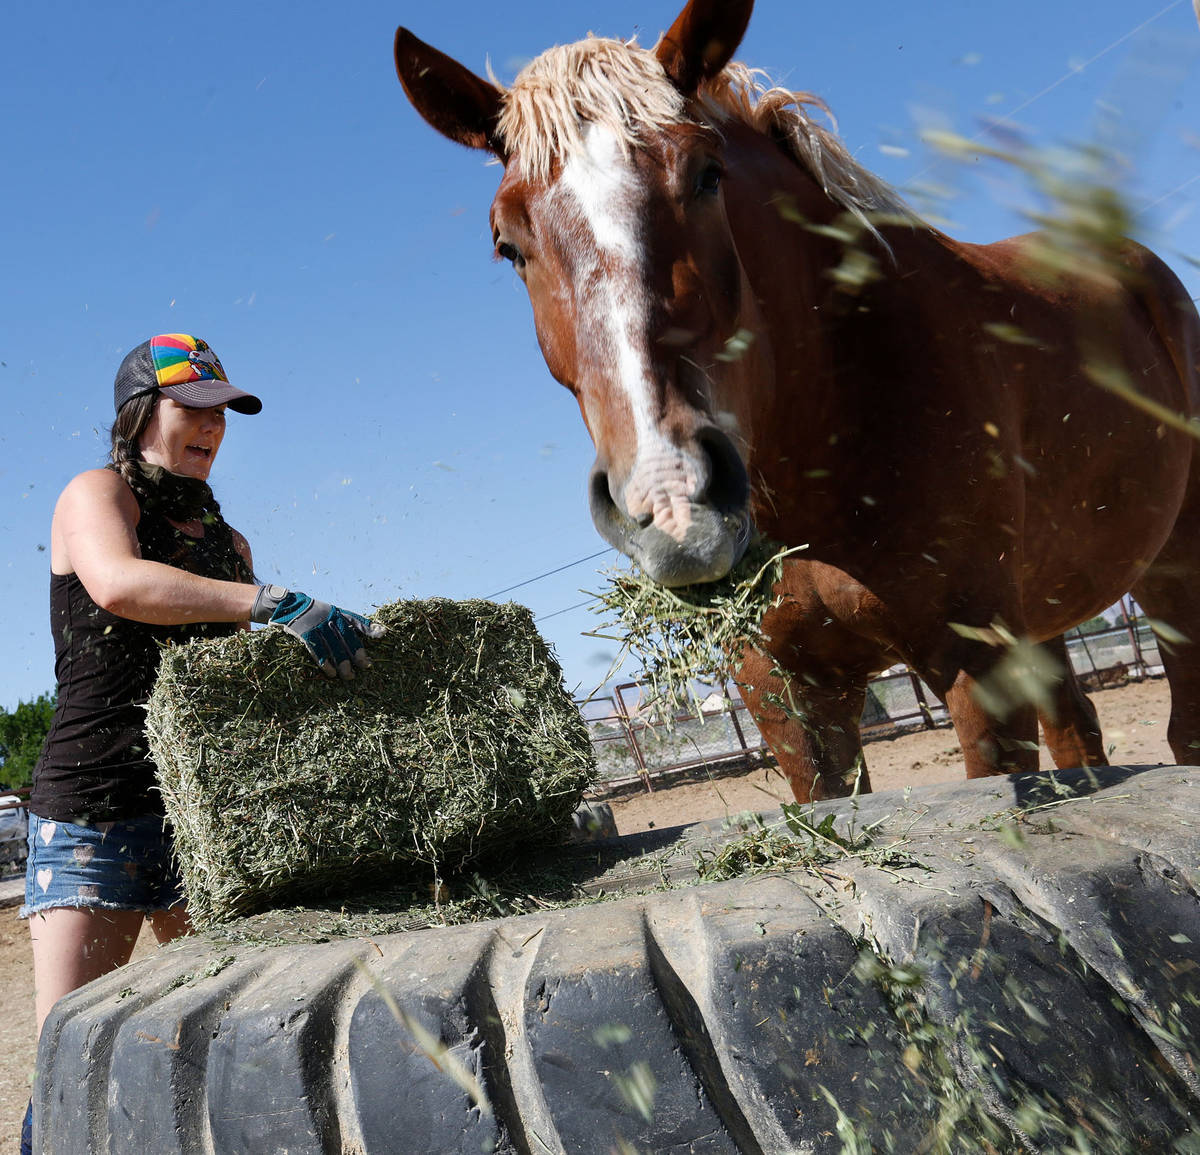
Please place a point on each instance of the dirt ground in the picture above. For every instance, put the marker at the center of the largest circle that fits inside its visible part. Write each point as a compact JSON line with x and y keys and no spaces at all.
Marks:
{"x":1134,"y":720}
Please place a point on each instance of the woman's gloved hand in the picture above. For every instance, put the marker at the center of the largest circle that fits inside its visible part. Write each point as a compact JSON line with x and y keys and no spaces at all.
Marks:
{"x":333,"y":637}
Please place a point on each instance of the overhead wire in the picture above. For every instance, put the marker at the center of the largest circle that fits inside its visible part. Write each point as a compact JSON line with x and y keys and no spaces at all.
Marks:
{"x":1168,"y":195}
{"x":1092,"y":60}
{"x":549,"y":573}
{"x":565,"y":610}
{"x":1076,"y":71}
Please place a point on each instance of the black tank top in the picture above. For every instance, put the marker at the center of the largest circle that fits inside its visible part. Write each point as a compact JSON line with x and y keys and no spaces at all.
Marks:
{"x":95,"y":765}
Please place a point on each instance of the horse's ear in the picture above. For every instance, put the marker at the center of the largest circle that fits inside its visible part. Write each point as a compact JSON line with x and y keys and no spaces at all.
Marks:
{"x":455,"y":101}
{"x":702,"y":41}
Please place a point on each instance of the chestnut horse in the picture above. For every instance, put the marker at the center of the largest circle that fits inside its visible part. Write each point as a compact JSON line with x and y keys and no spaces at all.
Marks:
{"x":760,"y":334}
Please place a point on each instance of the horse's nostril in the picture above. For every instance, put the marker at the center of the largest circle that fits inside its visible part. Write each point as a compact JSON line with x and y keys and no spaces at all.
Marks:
{"x":604,"y":504}
{"x":598,"y":487}
{"x":728,"y":486}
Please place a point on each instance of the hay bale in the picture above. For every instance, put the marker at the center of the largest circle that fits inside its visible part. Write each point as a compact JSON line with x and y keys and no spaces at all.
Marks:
{"x":281,"y":784}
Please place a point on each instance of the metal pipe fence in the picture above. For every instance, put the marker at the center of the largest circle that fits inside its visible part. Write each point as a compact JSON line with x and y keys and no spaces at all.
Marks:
{"x":635,"y":748}
{"x":14,"y":799}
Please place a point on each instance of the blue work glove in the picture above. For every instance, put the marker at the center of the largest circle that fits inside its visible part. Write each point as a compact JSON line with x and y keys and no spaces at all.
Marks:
{"x":332,"y":636}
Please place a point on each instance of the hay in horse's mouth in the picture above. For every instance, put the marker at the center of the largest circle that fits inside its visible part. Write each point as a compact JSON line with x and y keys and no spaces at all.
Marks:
{"x":690,"y":634}
{"x":459,"y":741}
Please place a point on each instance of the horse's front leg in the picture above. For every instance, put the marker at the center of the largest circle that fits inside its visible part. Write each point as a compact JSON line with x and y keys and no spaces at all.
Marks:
{"x":991,"y":744}
{"x":811,"y":724}
{"x":1071,"y":725}
{"x":969,"y":675}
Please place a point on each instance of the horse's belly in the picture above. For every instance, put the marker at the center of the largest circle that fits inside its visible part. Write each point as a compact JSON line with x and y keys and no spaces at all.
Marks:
{"x":1082,"y":554}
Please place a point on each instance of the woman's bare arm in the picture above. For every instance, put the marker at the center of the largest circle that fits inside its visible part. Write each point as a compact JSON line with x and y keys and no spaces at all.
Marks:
{"x":94,"y":535}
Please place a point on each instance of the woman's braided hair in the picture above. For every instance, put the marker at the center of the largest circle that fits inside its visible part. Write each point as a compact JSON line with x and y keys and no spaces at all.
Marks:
{"x":126,"y":431}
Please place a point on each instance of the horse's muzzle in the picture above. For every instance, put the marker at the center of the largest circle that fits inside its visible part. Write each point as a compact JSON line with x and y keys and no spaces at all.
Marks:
{"x":718,"y":523}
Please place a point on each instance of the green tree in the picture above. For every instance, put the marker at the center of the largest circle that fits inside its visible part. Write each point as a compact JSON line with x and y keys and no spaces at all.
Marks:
{"x":22,"y":732}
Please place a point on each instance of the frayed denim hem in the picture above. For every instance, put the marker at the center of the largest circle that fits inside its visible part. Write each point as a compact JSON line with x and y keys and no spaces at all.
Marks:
{"x":79,"y":903}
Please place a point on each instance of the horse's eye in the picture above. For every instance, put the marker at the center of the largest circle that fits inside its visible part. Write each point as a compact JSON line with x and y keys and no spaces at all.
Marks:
{"x":708,"y":181}
{"x":510,"y":252}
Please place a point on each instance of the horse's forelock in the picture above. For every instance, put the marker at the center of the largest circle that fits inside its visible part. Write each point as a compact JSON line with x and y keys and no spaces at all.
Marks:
{"x":622,"y":87}
{"x":612,"y":83}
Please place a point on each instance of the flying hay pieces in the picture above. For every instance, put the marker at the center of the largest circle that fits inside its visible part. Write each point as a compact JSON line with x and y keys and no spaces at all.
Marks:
{"x":460,"y":740}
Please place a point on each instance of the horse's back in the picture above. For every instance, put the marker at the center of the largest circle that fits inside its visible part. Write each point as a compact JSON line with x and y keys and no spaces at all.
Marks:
{"x":1081,"y":298}
{"x":1173,"y":313}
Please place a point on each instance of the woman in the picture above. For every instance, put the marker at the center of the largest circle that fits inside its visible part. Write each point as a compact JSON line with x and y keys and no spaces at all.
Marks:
{"x":140,"y":557}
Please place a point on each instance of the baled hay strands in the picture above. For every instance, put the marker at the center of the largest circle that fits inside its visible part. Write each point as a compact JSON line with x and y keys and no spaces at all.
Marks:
{"x":279,"y":783}
{"x":692,"y":633}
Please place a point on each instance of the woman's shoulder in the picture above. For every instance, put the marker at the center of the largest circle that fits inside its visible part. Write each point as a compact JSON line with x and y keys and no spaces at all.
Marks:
{"x":96,"y":506}
{"x":242,"y":546}
{"x":98,"y":486}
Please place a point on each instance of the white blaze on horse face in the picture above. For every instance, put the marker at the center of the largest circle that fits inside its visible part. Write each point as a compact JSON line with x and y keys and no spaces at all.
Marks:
{"x":610,"y":198}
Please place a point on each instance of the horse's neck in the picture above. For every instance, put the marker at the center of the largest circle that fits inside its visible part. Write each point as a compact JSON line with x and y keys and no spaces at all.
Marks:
{"x":778,"y":218}
{"x":824,"y":373}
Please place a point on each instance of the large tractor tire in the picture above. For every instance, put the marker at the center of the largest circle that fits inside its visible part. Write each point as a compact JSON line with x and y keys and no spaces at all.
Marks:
{"x":1005,"y":965}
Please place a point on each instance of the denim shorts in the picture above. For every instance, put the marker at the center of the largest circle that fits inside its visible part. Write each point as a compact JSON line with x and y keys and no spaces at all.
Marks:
{"x":128,"y":864}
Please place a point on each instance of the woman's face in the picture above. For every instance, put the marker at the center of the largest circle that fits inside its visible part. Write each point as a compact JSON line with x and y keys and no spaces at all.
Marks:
{"x":183,"y":440}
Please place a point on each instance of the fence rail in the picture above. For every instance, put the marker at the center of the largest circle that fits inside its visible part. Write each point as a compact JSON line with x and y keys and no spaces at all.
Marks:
{"x":14,"y":799}
{"x":635,"y":749}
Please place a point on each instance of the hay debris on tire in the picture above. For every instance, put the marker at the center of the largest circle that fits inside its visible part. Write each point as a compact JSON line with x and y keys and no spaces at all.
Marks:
{"x":281,"y":784}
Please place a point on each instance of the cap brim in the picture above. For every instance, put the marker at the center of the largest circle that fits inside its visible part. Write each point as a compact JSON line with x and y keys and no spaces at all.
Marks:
{"x":207,"y":393}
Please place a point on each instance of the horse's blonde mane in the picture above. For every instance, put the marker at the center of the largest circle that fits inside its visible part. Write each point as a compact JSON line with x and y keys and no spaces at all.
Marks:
{"x":622,"y":87}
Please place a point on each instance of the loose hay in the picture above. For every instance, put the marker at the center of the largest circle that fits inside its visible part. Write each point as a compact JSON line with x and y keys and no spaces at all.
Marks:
{"x":459,"y":741}
{"x":692,"y":634}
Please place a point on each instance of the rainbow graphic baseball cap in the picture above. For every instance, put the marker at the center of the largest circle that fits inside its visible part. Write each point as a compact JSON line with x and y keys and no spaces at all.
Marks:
{"x":183,"y":368}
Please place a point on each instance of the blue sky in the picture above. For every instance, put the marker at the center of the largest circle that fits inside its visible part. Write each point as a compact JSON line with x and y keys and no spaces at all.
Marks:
{"x":251,"y":173}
